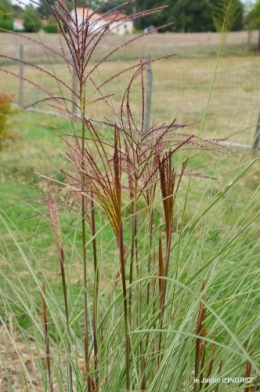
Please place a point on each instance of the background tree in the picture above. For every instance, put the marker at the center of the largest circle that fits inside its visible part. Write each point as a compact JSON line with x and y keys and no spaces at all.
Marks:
{"x":6,"y":15}
{"x":190,"y":16}
{"x":32,"y":21}
{"x":17,"y":11}
{"x":43,"y":10}
{"x":186,"y":15}
{"x":230,"y":11}
{"x":6,"y":11}
{"x":128,"y":11}
{"x":253,"y":18}
{"x":157,"y":19}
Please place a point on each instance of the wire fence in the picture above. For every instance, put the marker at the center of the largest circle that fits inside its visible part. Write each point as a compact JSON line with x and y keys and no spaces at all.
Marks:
{"x":180,"y":89}
{"x":182,"y":44}
{"x":231,"y":107}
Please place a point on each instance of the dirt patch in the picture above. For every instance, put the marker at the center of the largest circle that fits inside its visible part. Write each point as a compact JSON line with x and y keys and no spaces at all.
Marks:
{"x":20,"y":365}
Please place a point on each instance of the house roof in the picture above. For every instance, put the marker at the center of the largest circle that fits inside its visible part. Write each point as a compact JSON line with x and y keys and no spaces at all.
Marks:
{"x":95,"y":16}
{"x":116,"y":16}
{"x":87,"y":12}
{"x":20,"y":21}
{"x":18,"y":24}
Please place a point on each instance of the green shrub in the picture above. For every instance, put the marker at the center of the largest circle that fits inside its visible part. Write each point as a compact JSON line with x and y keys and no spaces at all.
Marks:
{"x":6,"y":25}
{"x":50,"y":29}
{"x":32,"y":21}
{"x":5,"y":111}
{"x":5,"y":10}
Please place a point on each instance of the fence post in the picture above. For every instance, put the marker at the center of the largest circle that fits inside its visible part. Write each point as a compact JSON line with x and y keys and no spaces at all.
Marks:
{"x":256,"y":143}
{"x":165,"y":51}
{"x":21,"y":66}
{"x":141,"y":49}
{"x":248,"y":41}
{"x":149,"y":82}
{"x":16,"y":47}
{"x":208,"y":44}
{"x":74,"y":87}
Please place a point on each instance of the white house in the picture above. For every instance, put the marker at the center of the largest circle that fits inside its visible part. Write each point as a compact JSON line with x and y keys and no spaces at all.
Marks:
{"x":18,"y":25}
{"x":118,"y":23}
{"x":95,"y":21}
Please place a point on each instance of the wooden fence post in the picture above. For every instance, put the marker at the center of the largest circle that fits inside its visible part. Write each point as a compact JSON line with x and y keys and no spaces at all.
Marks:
{"x":149,"y":83}
{"x":141,"y":49}
{"x":21,"y":66}
{"x":256,"y":144}
{"x":208,"y":44}
{"x":16,"y":47}
{"x":165,"y":50}
{"x":248,"y":41}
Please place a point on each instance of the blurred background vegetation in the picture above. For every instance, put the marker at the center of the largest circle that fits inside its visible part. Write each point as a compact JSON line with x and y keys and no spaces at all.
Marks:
{"x":188,"y":16}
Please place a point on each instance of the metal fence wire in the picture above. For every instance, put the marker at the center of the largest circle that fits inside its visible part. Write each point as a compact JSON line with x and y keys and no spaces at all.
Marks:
{"x":182,"y":44}
{"x":180,"y":89}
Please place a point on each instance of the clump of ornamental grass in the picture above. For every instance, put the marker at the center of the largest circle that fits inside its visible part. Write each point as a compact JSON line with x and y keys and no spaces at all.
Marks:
{"x":137,"y":162}
{"x":115,"y":164}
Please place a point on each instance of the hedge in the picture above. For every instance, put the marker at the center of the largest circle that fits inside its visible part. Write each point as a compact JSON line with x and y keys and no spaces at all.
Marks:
{"x":6,"y":25}
{"x":50,"y":29}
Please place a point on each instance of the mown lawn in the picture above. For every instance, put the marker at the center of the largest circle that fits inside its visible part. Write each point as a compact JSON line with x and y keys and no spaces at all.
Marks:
{"x":180,"y":91}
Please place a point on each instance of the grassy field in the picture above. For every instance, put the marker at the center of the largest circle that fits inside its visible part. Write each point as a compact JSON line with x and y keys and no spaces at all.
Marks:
{"x":183,"y":44}
{"x":181,"y":93}
{"x":38,"y":149}
{"x":229,"y":231}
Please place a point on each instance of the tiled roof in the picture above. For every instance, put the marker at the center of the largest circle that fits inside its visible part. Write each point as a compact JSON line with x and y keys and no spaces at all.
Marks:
{"x":115,"y":16}
{"x":87,"y":12}
{"x":94,"y":16}
{"x":20,"y":21}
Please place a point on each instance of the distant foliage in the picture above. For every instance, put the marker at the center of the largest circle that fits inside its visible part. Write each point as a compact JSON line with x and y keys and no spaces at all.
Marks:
{"x":253,"y":18}
{"x":5,"y":10}
{"x":228,"y":15}
{"x":6,"y":22}
{"x":32,"y":21}
{"x":5,"y":111}
{"x":17,"y":11}
{"x":50,"y":29}
{"x":191,"y":16}
{"x":6,"y":25}
{"x":44,"y":8}
{"x":186,"y":15}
